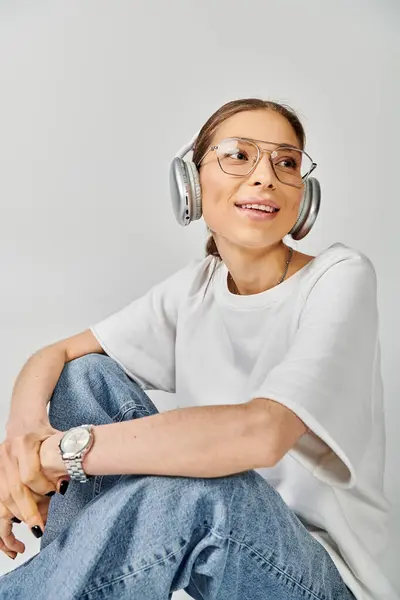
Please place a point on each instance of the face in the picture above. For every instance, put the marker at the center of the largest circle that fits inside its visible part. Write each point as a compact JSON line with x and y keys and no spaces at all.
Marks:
{"x":230,"y":224}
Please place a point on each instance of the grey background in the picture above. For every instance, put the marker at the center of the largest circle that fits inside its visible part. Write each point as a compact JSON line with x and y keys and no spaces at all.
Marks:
{"x":95,"y":99}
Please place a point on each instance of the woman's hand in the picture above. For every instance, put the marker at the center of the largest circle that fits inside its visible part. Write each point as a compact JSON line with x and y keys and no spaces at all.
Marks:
{"x":23,"y":483}
{"x":9,"y":544}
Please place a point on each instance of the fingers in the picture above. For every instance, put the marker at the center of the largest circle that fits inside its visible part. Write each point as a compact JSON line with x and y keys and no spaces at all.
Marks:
{"x":43,"y":506}
{"x":8,"y":508}
{"x":4,"y":549}
{"x":16,"y":496}
{"x":10,"y":544}
{"x":23,"y":490}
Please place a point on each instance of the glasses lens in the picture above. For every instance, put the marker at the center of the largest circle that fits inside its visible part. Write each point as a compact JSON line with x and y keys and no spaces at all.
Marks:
{"x":290,"y":165}
{"x":238,"y":157}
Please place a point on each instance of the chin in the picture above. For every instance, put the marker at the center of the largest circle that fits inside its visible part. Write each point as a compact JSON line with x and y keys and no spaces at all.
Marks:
{"x":251,"y":239}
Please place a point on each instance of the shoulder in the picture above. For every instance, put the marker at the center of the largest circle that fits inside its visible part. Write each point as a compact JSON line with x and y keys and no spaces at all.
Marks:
{"x":341,"y":280}
{"x":341,"y":263}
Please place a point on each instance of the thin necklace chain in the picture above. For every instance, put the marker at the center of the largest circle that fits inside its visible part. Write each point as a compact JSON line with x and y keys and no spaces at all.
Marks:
{"x":288,"y":261}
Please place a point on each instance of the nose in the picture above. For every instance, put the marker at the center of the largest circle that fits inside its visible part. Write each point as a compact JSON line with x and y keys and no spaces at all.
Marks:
{"x":264,"y":172}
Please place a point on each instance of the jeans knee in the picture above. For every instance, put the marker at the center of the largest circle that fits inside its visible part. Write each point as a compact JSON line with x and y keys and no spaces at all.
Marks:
{"x":95,"y":387}
{"x":229,"y":504}
{"x":87,"y":367}
{"x":234,"y":499}
{"x":221,"y":500}
{"x":69,"y":388}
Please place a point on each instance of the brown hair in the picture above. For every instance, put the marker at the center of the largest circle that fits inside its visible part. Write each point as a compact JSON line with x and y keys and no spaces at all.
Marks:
{"x":228,"y":110}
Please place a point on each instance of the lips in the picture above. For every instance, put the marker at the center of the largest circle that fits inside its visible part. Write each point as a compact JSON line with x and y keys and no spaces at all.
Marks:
{"x":255,"y":200}
{"x":256,"y":214}
{"x":247,"y":206}
{"x":271,"y":211}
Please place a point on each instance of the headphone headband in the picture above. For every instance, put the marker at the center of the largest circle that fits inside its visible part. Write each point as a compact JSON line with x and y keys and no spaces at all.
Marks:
{"x":187,"y":147}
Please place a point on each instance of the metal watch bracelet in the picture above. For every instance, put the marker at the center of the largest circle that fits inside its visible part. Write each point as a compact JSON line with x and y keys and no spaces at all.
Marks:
{"x":75,"y":470}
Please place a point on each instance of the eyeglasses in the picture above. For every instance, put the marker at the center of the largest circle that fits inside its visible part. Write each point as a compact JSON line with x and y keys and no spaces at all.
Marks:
{"x":240,"y":156}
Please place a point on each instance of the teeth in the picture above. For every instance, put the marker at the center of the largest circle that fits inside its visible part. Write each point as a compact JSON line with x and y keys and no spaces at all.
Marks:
{"x":259,"y":207}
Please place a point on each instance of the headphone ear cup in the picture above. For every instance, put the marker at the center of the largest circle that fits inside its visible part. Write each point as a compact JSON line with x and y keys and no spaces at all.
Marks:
{"x":195,"y":190}
{"x":309,"y":209}
{"x":185,"y":191}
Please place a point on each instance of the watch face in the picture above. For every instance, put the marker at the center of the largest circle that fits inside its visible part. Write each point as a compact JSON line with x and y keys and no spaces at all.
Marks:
{"x":75,"y":441}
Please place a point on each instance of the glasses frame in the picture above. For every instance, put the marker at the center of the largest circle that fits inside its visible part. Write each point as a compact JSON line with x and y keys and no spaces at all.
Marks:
{"x":260,"y":152}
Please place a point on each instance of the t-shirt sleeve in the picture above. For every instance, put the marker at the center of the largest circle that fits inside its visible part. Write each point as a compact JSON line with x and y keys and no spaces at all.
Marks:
{"x":141,"y":336}
{"x":328,"y":376}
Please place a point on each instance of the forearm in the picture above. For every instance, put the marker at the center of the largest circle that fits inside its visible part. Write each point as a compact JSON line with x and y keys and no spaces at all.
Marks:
{"x":207,"y":441}
{"x":34,"y":387}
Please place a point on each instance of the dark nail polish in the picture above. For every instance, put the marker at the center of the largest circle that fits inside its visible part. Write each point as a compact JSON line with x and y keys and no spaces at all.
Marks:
{"x":50,"y":494}
{"x":36,"y":530}
{"x":15,"y":520}
{"x":64,"y":486}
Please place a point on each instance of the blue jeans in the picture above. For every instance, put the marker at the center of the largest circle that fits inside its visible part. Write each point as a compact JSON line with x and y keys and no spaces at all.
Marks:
{"x":142,"y":537}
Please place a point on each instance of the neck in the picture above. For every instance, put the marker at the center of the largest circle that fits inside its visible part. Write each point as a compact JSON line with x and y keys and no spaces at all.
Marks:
{"x":253,"y":272}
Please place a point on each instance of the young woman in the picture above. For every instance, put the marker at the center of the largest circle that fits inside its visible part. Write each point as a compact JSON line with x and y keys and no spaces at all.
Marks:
{"x":266,"y":482}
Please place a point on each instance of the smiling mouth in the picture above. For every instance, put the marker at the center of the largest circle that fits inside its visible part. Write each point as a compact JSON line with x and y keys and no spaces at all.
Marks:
{"x":258,"y":208}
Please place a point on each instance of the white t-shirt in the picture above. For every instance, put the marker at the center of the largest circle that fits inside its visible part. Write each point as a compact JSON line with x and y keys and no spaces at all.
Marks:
{"x":310,"y":343}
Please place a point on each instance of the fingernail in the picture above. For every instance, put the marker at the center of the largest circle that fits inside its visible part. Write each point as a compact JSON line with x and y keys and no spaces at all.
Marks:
{"x":50,"y":494}
{"x":36,"y":530}
{"x":15,"y":520}
{"x":64,"y":486}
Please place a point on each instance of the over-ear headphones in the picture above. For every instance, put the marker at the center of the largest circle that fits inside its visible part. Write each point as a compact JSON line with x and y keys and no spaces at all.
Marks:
{"x":186,"y":195}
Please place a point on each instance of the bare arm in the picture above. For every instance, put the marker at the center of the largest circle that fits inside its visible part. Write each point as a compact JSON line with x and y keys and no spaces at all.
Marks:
{"x":35,"y":383}
{"x":198,"y":441}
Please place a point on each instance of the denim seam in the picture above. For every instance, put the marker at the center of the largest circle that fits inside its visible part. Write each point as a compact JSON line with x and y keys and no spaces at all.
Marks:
{"x":132,"y":573}
{"x":125,"y":408}
{"x":271,"y":564}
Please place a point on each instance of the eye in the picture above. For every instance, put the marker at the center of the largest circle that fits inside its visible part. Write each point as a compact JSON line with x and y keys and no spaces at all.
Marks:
{"x":239,"y":154}
{"x":289,"y":163}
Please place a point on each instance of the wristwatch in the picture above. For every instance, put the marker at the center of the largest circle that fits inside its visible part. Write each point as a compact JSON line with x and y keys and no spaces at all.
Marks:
{"x":75,"y":443}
